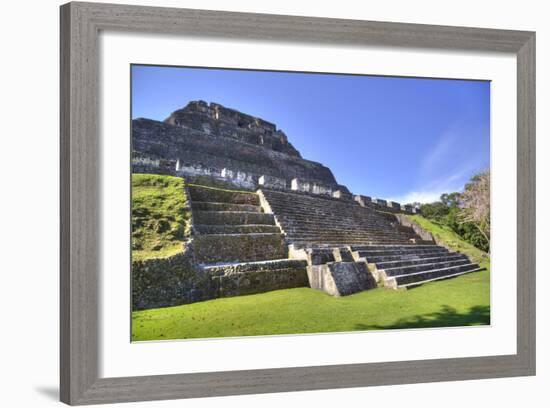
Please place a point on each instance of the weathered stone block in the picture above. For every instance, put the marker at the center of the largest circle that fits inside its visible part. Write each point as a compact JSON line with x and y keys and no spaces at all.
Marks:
{"x":272,"y":182}
{"x":362,"y":200}
{"x":394,"y":205}
{"x":320,"y":189}
{"x":341,"y":278}
{"x":342,"y":255}
{"x":319,"y":256}
{"x":407,"y":208}
{"x":300,"y":185}
{"x":342,"y":194}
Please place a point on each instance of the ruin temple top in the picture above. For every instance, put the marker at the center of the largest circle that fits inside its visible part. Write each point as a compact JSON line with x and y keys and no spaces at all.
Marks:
{"x":215,"y":119}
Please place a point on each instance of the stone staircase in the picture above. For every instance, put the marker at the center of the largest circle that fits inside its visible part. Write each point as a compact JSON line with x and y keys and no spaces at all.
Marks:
{"x":241,"y":240}
{"x":407,"y":266}
{"x":344,"y":242}
{"x":239,"y":245}
{"x":313,"y":220}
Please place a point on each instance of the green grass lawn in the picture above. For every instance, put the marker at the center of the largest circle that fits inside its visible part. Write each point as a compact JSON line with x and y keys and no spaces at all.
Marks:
{"x":462,"y":301}
{"x":160,"y":217}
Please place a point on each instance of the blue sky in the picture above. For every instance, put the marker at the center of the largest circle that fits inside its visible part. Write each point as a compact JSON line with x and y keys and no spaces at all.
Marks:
{"x":405,"y":139}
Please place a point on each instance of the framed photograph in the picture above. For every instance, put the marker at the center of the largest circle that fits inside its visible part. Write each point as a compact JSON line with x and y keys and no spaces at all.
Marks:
{"x":261,"y":203}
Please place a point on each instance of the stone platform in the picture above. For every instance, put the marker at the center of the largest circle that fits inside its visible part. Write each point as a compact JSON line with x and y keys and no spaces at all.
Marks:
{"x":239,"y":245}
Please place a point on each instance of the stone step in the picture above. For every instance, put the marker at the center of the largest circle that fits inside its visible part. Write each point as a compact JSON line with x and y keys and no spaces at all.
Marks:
{"x":211,"y":206}
{"x":327,"y":220}
{"x":319,"y":206}
{"x":410,"y":262}
{"x":412,"y":269}
{"x":298,"y":208}
{"x":388,"y":258}
{"x":236,"y":229}
{"x":338,"y":227}
{"x":304,"y":219}
{"x":310,"y":243}
{"x":232,"y":218}
{"x":440,"y":277}
{"x":346,"y":241}
{"x":357,"y":212}
{"x":239,"y":247}
{"x":354,"y":212}
{"x":217,"y":195}
{"x":415,"y":279}
{"x":388,"y":252}
{"x":345,"y":233}
{"x":357,"y":239}
{"x":392,"y":247}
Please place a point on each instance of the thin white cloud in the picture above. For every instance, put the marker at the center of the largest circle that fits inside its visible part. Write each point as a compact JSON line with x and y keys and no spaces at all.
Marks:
{"x":444,"y":169}
{"x":418,"y":197}
{"x":434,"y":189}
{"x":439,"y":154}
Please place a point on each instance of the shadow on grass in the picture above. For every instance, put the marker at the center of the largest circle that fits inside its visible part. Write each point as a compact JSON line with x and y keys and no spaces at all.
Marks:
{"x":446,"y":317}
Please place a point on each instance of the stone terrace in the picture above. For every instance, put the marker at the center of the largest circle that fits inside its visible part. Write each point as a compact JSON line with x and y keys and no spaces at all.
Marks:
{"x":239,"y":245}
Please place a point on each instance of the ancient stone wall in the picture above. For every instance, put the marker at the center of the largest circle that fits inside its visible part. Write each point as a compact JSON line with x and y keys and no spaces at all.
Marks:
{"x":199,"y":152}
{"x":248,"y":279}
{"x":178,"y":280}
{"x":169,"y":282}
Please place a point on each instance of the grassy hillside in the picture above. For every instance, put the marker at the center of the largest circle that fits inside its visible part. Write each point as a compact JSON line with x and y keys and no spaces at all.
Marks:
{"x":463,"y":301}
{"x":160,"y":217}
{"x":451,"y":239}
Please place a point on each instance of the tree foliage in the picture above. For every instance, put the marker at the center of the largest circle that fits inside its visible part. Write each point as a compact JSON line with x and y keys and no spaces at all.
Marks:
{"x":467,"y":213}
{"x":476,"y":203}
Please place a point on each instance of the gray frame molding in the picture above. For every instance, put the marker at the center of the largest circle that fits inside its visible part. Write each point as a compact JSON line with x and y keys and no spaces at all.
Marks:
{"x":80,"y":234}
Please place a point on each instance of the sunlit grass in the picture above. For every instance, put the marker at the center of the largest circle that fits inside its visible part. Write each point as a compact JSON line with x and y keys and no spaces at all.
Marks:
{"x":160,"y":217}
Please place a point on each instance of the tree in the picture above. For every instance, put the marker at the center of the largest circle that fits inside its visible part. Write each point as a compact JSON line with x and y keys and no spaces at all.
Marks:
{"x":475,"y":203}
{"x":458,"y":211}
{"x":451,"y":199}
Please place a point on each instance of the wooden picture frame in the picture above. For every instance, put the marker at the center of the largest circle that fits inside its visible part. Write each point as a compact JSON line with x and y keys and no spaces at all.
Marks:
{"x":80,"y":234}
